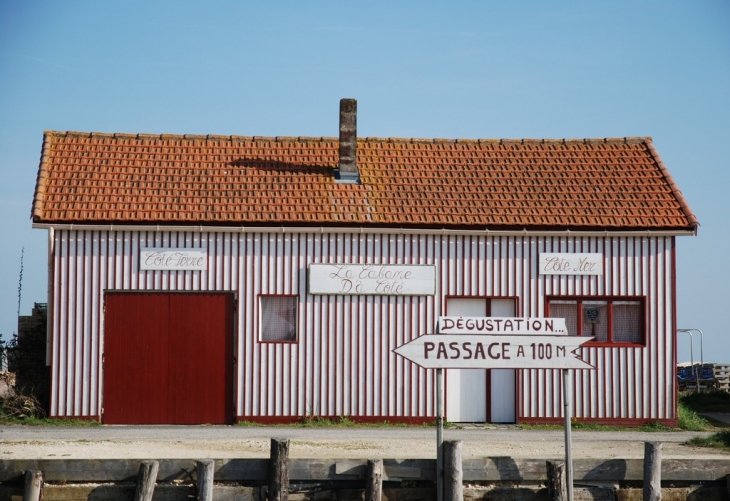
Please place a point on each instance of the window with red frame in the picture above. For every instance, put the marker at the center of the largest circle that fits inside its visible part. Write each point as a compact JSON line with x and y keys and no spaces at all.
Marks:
{"x":609,"y":320}
{"x":278,"y":318}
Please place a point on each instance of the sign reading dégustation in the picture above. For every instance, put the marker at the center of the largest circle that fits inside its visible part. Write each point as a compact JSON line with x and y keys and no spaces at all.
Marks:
{"x":501,"y":325}
{"x":372,"y":279}
{"x":564,"y":263}
{"x":172,"y":259}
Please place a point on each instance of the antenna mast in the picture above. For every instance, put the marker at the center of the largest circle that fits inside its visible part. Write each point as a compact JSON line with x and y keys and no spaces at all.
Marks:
{"x":20,"y":280}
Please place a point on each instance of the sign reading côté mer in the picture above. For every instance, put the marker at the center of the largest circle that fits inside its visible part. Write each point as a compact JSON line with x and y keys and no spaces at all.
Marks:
{"x":372,"y":279}
{"x":497,"y":343}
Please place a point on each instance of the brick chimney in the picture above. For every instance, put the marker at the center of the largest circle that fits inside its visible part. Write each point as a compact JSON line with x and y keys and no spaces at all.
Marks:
{"x":347,"y":167}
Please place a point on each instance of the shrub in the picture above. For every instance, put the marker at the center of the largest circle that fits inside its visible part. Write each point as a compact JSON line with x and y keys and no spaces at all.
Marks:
{"x":21,"y":407}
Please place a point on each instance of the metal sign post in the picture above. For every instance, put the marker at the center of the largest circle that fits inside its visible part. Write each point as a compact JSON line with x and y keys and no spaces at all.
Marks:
{"x":503,"y":343}
{"x":439,"y":434}
{"x":567,"y":415}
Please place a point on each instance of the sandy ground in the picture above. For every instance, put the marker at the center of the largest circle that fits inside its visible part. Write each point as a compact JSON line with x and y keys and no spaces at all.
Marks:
{"x":349,"y":443}
{"x":196,"y":449}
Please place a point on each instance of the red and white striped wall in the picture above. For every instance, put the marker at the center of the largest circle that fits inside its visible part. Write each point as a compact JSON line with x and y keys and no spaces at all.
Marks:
{"x":343,"y":364}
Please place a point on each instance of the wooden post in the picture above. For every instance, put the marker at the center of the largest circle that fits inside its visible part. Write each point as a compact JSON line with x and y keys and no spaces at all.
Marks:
{"x":652,"y":471}
{"x":374,"y":480}
{"x":279,"y":470}
{"x":33,"y":485}
{"x":556,"y":481}
{"x":205,"y":469}
{"x":146,"y":479}
{"x":453,"y":474}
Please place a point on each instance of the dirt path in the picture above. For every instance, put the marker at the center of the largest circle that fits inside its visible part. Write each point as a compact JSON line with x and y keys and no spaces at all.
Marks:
{"x":196,"y":442}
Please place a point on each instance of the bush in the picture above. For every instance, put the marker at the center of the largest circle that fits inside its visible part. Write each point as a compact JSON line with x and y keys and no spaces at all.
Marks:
{"x":20,"y":408}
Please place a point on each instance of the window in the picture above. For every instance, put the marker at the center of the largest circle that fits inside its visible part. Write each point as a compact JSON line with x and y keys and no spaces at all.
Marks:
{"x":609,"y":320}
{"x":278,"y":320}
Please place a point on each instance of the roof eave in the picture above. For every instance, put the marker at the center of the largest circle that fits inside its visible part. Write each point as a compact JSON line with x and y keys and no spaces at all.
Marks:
{"x":370,"y":229}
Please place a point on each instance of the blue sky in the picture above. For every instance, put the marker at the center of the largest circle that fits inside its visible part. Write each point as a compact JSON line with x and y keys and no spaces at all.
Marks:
{"x":488,"y":69}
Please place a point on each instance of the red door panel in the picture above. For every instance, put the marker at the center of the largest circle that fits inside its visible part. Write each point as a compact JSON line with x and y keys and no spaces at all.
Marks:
{"x":201,"y":352}
{"x":135,"y":360}
{"x":168,"y":358}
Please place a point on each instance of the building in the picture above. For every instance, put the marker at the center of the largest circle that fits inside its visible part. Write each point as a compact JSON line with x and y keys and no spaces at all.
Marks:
{"x":36,"y":319}
{"x":25,"y":357}
{"x":212,"y":279}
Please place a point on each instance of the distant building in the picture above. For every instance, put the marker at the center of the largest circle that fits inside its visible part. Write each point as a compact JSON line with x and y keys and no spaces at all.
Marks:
{"x":37,"y":318}
{"x":28,"y":360}
{"x":213,"y":279}
{"x":26,"y":325}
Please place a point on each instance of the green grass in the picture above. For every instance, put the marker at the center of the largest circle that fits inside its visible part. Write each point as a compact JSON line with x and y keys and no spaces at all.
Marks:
{"x":580,"y":425}
{"x":720,"y":440}
{"x":707,"y":401}
{"x":336,"y":422}
{"x":690,"y":407}
{"x":689,"y":420}
{"x":322,"y":422}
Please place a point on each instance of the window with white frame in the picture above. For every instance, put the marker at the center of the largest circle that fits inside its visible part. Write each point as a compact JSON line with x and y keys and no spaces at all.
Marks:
{"x":278,"y":318}
{"x":610,"y":320}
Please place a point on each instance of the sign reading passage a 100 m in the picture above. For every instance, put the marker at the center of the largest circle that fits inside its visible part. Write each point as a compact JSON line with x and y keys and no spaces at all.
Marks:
{"x":497,"y":343}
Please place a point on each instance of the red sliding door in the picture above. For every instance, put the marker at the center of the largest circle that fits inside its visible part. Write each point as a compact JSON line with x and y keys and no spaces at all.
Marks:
{"x":168,"y":358}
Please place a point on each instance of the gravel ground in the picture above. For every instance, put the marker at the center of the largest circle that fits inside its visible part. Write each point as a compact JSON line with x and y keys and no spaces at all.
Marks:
{"x":222,"y":442}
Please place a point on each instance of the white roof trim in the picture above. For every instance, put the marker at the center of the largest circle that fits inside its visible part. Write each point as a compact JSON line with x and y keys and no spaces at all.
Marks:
{"x":368,"y":230}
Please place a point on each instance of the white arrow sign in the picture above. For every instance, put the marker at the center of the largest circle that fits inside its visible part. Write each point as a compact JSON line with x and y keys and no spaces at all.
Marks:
{"x":486,"y":351}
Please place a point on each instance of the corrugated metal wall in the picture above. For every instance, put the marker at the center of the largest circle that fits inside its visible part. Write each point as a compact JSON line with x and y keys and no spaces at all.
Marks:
{"x":343,"y":363}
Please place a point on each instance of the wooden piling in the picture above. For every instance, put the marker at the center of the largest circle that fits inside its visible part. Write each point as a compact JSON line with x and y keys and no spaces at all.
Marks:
{"x":33,"y":485}
{"x":453,"y":473}
{"x":146,"y":479}
{"x":279,"y":470}
{"x":205,"y":469}
{"x":556,"y":481}
{"x":374,"y":480}
{"x":652,"y":471}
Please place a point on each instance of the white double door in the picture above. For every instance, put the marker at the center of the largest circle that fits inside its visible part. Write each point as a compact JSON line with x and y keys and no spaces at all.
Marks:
{"x":478,"y":395}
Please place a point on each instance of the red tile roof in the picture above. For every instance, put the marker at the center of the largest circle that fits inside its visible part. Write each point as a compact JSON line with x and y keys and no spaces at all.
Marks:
{"x":231,"y":180}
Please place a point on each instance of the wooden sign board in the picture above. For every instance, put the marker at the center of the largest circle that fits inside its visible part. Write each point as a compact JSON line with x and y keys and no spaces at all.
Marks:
{"x":372,"y":279}
{"x":486,"y":351}
{"x":567,"y":263}
{"x":173,"y":259}
{"x":502,"y":325}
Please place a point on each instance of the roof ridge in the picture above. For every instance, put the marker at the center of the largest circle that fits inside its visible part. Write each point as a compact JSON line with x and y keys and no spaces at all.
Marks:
{"x":233,"y":137}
